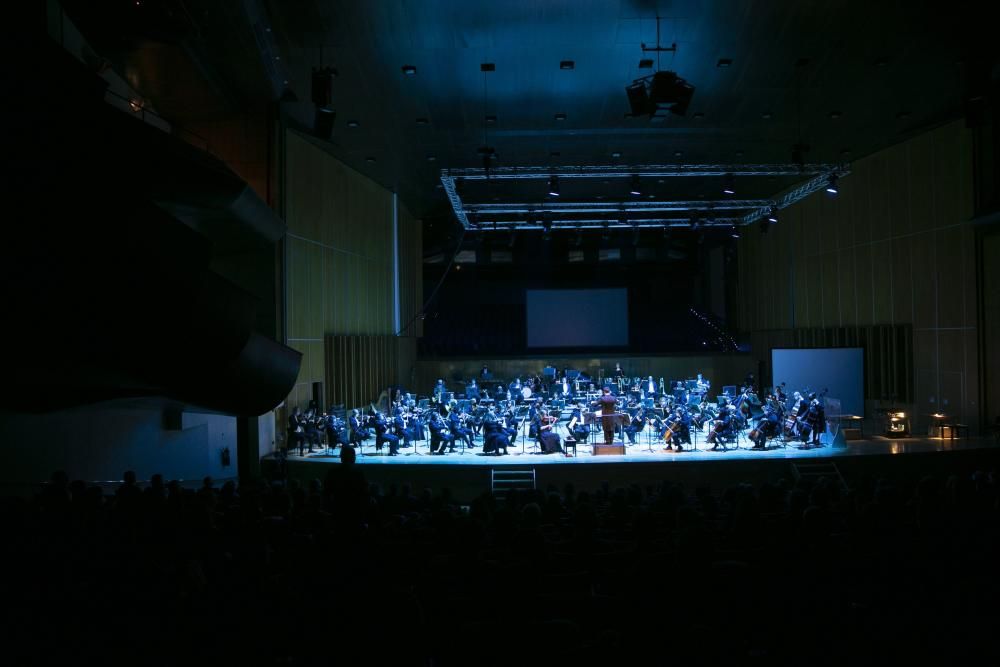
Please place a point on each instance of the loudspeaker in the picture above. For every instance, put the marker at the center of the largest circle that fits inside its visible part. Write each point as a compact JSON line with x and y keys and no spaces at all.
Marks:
{"x":322,"y":87}
{"x":669,"y":92}
{"x":638,"y":99}
{"x":323,"y":123}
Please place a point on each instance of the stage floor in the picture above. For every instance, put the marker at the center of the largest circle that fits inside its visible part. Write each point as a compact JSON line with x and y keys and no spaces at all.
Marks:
{"x":524,"y":453}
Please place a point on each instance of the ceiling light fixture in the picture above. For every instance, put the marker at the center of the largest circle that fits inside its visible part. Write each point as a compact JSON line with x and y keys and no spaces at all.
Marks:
{"x":566,"y":64}
{"x":831,"y":185}
{"x":553,"y":186}
{"x":409,"y":70}
{"x":728,"y":185}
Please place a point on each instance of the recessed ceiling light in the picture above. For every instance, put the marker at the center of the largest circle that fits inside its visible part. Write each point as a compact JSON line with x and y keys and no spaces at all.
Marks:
{"x":409,"y":70}
{"x":431,"y":158}
{"x":422,"y":121}
{"x":369,"y":159}
{"x":646,"y":63}
{"x":491,"y":120}
{"x":652,"y":196}
{"x":554,"y":154}
{"x":724,"y":62}
{"x":845,"y":152}
{"x":560,"y":116}
{"x":629,"y":115}
{"x":353,"y":123}
{"x":881,"y":62}
{"x":767,"y":115}
{"x":660,"y":181}
{"x":739,"y":153}
{"x":566,"y":64}
{"x":834,"y":115}
{"x":699,"y":115}
{"x":678,"y":153}
{"x":616,"y":154}
{"x":488,"y":67}
{"x":903,"y":115}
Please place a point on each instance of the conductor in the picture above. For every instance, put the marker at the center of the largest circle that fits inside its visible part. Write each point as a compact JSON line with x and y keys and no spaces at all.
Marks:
{"x":608,"y":404}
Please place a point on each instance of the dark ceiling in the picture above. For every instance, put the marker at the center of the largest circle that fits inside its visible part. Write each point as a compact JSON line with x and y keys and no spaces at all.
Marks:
{"x":844,"y":77}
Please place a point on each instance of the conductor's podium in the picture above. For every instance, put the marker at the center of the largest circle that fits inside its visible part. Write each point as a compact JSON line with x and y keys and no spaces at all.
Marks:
{"x":616,"y":448}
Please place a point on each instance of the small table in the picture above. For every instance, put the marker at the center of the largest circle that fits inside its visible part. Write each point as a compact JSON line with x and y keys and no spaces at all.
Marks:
{"x":852,"y":420}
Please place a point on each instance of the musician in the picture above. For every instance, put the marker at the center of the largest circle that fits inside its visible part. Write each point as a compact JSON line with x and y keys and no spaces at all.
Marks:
{"x":815,"y":418}
{"x":650,"y":387}
{"x":296,"y":434}
{"x":544,"y":425}
{"x":702,"y":385}
{"x":336,"y":432}
{"x":510,"y":424}
{"x":382,"y":434}
{"x":576,"y":426}
{"x":636,"y":424}
{"x":472,"y":389}
{"x":402,"y":430}
{"x":767,"y":425}
{"x":564,"y":388}
{"x":750,"y":382}
{"x":723,"y":423}
{"x":472,"y":420}
{"x":535,"y":408}
{"x":515,"y":387}
{"x":501,"y":393}
{"x":484,"y":373}
{"x":456,"y":422}
{"x":441,"y":436}
{"x":439,"y":391}
{"x":608,"y":404}
{"x":619,"y":373}
{"x":495,"y":437}
{"x":779,"y":394}
{"x":358,"y":429}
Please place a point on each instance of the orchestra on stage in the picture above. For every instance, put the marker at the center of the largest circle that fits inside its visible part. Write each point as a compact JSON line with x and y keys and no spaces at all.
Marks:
{"x":554,"y":412}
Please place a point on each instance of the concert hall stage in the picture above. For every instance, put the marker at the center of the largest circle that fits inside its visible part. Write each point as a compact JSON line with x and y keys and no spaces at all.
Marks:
{"x":473,"y":472}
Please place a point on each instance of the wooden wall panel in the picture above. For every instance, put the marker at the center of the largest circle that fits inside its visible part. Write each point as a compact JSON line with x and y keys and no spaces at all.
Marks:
{"x":894,"y":249}
{"x":340,"y":305}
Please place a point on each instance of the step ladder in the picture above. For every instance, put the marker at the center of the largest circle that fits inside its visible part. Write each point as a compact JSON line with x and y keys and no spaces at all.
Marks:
{"x":504,"y":480}
{"x":814,"y":471}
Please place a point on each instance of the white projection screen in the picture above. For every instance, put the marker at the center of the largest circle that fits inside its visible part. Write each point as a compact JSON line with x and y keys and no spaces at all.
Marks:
{"x":577,"y":318}
{"x":840,"y":370}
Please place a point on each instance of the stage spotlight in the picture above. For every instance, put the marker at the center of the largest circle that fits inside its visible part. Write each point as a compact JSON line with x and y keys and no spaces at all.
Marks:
{"x":831,"y":185}
{"x":734,"y":232}
{"x":728,"y":185}
{"x":553,"y":186}
{"x":636,"y":188}
{"x":772,"y":215}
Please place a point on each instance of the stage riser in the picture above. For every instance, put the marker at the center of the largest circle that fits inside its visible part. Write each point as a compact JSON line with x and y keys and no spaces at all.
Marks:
{"x":719,"y":369}
{"x":469,"y":481}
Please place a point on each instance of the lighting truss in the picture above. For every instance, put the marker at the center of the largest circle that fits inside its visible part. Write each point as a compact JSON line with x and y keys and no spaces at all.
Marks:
{"x":629,"y":214}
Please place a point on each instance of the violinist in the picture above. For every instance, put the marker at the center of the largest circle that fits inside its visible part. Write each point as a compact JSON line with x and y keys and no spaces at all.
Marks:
{"x":382,"y":434}
{"x":456,"y":422}
{"x":401,"y":428}
{"x":441,"y":435}
{"x":544,"y":425}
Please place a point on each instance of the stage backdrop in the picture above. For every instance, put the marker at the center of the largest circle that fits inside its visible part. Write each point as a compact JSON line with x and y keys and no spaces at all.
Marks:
{"x":840,"y":371}
{"x":577,"y":318}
